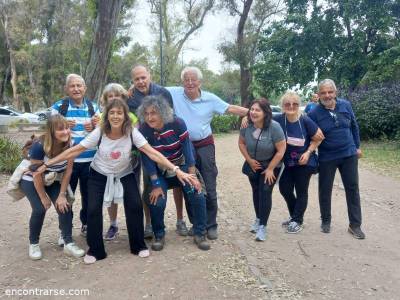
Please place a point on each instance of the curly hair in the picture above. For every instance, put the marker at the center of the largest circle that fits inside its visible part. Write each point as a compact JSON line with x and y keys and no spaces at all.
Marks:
{"x":160,"y":105}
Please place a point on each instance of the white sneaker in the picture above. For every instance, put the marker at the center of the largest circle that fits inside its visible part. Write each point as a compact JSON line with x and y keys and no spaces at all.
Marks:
{"x":144,"y":253}
{"x":34,"y":252}
{"x":60,"y":241}
{"x":255,"y":225}
{"x":261,"y":233}
{"x":73,"y":250}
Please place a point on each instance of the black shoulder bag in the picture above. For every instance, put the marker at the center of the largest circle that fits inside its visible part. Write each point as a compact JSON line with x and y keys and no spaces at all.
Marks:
{"x":246,"y":169}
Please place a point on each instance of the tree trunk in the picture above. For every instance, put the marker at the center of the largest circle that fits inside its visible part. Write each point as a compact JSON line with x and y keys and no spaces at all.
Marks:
{"x":245,"y":80}
{"x":13,"y":67}
{"x":7,"y":75}
{"x":245,"y":75}
{"x":100,"y":51}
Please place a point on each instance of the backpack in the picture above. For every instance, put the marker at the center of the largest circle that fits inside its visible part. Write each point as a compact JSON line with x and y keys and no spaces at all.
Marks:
{"x":65,"y":104}
{"x":14,"y":189}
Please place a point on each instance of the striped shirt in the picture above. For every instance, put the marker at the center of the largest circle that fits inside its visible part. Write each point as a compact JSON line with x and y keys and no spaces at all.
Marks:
{"x":81,"y":115}
{"x":37,"y":153}
{"x":172,"y":141}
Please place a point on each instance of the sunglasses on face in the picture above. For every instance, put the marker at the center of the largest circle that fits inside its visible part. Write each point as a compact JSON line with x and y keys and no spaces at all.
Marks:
{"x":288,"y":104}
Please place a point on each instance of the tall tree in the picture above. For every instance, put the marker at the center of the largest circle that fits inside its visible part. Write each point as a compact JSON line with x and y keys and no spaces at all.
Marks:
{"x":178,"y":26}
{"x":5,"y":13}
{"x":252,"y":17}
{"x":336,"y":39}
{"x":106,"y":23}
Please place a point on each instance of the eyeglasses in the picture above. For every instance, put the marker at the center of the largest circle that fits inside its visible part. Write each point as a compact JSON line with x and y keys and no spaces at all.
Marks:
{"x":294,"y":104}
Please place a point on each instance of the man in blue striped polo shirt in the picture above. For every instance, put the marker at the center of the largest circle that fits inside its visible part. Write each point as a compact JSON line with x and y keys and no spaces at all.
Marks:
{"x":79,"y":112}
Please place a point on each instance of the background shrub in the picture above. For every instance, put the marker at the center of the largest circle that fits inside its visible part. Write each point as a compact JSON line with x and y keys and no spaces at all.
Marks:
{"x":224,"y":123}
{"x":377,"y":110}
{"x":10,"y":155}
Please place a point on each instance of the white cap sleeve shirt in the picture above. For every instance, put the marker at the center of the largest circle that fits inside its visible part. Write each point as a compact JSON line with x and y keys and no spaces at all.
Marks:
{"x":113,"y":156}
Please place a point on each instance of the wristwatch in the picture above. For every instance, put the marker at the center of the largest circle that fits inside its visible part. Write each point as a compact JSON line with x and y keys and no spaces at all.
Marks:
{"x":176,"y":168}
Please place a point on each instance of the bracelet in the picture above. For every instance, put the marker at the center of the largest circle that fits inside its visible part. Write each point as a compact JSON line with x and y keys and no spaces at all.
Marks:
{"x":46,"y":165}
{"x":309,"y":151}
{"x":176,"y":168}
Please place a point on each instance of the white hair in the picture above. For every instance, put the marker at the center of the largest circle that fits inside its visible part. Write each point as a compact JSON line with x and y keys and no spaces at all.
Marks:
{"x":328,"y":82}
{"x":195,"y":70}
{"x":72,"y":76}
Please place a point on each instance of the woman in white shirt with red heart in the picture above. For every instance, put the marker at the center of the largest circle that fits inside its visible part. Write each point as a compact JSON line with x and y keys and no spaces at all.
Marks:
{"x":111,"y":177}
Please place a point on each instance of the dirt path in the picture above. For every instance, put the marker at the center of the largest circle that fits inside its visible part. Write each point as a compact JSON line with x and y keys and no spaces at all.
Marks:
{"x":310,"y":265}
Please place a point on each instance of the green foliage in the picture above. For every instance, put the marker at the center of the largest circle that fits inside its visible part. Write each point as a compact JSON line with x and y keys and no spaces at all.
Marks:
{"x":120,"y":65}
{"x":10,"y":155}
{"x":378,"y":111}
{"x":224,"y":123}
{"x":342,"y":40}
{"x":384,"y":68}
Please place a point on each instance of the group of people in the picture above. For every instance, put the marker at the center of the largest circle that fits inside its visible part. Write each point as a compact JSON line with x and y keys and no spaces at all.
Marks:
{"x":165,"y":134}
{"x":291,"y":140}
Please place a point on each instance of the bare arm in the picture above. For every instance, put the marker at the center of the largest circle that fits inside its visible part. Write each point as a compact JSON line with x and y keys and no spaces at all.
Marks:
{"x":39,"y":186}
{"x":157,"y":157}
{"x":280,"y":151}
{"x":254,"y":164}
{"x":66,"y":155}
{"x":61,"y":203}
{"x":237,"y":110}
{"x":316,"y":140}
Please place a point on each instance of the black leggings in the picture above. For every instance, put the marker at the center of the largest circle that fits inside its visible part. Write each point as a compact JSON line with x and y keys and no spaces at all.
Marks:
{"x":133,"y":214}
{"x":262,"y":196}
{"x":297,"y":179}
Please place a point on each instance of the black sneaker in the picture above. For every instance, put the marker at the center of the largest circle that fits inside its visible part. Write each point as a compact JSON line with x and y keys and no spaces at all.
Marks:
{"x":356,"y":232}
{"x":201,"y":242}
{"x":325,"y":227}
{"x":158,"y":244}
{"x":212,"y":233}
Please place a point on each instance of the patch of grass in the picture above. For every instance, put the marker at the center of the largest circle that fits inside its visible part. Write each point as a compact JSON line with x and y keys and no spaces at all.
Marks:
{"x":383,"y":156}
{"x":11,"y":155}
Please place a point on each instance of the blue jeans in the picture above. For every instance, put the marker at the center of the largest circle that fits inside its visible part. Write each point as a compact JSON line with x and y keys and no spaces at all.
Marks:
{"x":80,"y":172}
{"x":39,"y":212}
{"x":195,"y":203}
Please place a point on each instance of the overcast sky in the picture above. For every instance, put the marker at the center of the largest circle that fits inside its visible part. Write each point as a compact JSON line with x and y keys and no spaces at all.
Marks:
{"x":203,"y":44}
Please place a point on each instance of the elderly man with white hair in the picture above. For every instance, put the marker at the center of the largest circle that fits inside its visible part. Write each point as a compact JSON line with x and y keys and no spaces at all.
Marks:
{"x":80,"y":113}
{"x":197,"y":108}
{"x":339,"y":150}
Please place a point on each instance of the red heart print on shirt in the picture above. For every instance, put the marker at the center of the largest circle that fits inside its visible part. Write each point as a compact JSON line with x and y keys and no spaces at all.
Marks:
{"x":115,"y":155}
